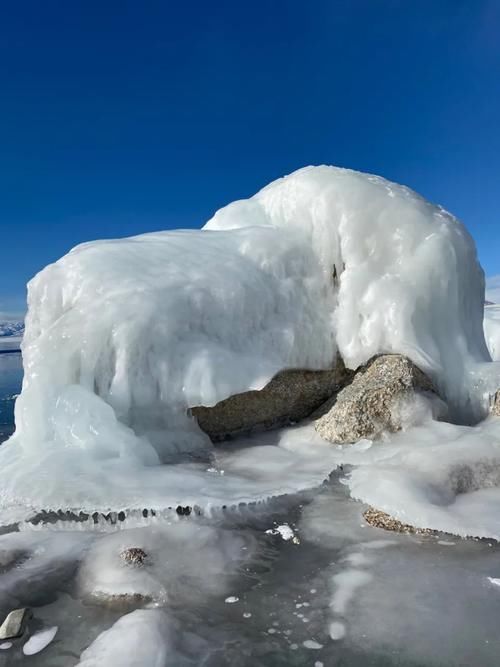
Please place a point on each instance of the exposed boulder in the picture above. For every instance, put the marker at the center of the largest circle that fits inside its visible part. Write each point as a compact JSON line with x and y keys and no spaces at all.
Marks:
{"x":369,"y":404}
{"x":292,"y":395}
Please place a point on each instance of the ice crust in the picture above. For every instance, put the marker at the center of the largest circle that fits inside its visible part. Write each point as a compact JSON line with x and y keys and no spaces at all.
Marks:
{"x":124,"y":336}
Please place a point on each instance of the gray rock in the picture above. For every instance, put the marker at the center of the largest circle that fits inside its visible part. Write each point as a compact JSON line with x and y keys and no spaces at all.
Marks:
{"x":495,"y":406}
{"x":366,"y":407}
{"x":15,"y":623}
{"x":292,"y":395}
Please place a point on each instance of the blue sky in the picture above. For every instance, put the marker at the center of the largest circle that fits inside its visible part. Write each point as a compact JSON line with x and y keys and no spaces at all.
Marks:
{"x":118,"y":118}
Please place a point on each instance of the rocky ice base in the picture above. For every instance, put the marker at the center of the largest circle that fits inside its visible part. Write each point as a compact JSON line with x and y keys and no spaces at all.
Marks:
{"x":236,"y":591}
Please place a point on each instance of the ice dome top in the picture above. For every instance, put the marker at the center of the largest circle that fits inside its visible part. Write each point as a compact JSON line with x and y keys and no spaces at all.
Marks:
{"x":407,"y":278}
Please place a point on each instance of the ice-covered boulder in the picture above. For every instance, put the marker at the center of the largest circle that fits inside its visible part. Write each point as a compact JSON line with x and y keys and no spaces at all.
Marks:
{"x":124,"y":336}
{"x":292,"y":395}
{"x":404,"y":272}
{"x":165,"y":574}
{"x":375,"y":400}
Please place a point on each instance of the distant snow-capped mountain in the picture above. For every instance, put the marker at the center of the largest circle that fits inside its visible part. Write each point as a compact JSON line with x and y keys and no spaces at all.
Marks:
{"x":8,"y":329}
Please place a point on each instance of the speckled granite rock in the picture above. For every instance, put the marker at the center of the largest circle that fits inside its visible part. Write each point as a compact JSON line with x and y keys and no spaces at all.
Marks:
{"x":292,"y":395}
{"x":379,"y":519}
{"x":134,"y":556}
{"x":365,"y":407}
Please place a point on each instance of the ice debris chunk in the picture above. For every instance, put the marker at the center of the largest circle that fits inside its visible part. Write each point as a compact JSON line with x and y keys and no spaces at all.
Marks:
{"x":139,"y":639}
{"x":39,"y":641}
{"x":285,"y":531}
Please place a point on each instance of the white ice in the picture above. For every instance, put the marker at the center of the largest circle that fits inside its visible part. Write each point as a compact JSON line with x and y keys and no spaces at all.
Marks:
{"x":39,"y":641}
{"x":166,"y":575}
{"x":263,"y":468}
{"x":283,"y":530}
{"x":403,"y":285}
{"x":124,"y":336}
{"x":139,"y":639}
{"x":336,"y":630}
{"x":437,"y":475}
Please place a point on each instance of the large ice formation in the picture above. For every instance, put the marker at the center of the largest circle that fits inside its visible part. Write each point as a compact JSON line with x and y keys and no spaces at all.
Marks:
{"x":124,"y":336}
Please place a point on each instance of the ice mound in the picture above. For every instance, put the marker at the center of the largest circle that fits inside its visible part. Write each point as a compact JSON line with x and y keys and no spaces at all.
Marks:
{"x":124,"y":336}
{"x":142,"y":638}
{"x":407,"y":271}
{"x":492,"y":330}
{"x":166,"y":575}
{"x":437,"y":475}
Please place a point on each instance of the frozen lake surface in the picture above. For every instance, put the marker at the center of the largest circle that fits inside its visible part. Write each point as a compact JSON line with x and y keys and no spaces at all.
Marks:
{"x":302,"y":581}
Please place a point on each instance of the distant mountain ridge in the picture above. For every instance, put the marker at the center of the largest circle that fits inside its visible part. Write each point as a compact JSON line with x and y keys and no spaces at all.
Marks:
{"x":10,"y":329}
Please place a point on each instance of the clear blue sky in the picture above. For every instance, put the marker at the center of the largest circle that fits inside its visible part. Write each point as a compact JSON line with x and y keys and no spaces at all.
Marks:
{"x":123,"y":117}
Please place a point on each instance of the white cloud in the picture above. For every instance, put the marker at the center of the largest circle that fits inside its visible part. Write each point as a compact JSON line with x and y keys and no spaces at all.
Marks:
{"x":493,"y":289}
